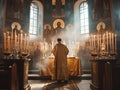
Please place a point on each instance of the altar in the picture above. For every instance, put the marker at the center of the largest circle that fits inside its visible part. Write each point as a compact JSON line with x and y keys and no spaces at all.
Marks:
{"x":74,"y":67}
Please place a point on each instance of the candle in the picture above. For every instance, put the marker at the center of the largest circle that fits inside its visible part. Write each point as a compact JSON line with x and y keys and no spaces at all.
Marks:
{"x":44,"y":44}
{"x":110,"y":40}
{"x":107,"y":40}
{"x":15,"y":39}
{"x":21,"y":41}
{"x":52,"y":44}
{"x":77,"y":46}
{"x":25,"y":42}
{"x":94,"y":42}
{"x":103,"y":39}
{"x":4,"y":41}
{"x":115,"y":43}
{"x":90,"y":42}
{"x":8,"y":43}
{"x":18,"y":41}
{"x":98,"y":41}
{"x":12,"y":41}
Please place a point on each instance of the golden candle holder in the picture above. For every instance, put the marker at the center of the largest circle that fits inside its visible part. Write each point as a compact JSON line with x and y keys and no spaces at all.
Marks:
{"x":15,"y":40}
{"x":112,"y":53}
{"x":104,"y":43}
{"x":94,"y":53}
{"x":24,"y":54}
{"x":7,"y":54}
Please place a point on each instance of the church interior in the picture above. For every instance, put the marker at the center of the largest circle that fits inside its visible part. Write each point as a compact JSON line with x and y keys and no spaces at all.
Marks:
{"x":29,"y":30}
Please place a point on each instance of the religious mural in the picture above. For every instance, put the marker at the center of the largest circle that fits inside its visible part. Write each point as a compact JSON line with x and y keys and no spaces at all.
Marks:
{"x":101,"y":9}
{"x":58,"y":8}
{"x":116,"y":20}
{"x":47,"y":33}
{"x":54,"y":2}
{"x":2,"y":23}
{"x":2,"y":18}
{"x":116,"y":15}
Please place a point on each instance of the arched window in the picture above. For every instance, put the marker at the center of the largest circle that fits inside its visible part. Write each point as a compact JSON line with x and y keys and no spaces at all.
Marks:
{"x":36,"y":16}
{"x":83,"y":13}
{"x":81,"y":20}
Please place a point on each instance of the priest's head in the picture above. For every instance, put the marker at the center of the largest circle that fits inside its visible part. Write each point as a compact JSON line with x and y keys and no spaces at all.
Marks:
{"x":59,"y":40}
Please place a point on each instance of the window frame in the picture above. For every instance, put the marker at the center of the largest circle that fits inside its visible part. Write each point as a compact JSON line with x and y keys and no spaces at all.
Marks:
{"x":81,"y":20}
{"x":39,"y":26}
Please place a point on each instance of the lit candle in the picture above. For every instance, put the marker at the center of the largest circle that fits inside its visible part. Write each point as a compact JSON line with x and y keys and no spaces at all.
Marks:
{"x":11,"y":41}
{"x":4,"y":41}
{"x":8,"y":43}
{"x":18,"y":41}
{"x":14,"y":39}
{"x":52,"y":44}
{"x":21,"y":41}
{"x":115,"y":43}
{"x":110,"y":40}
{"x":90,"y":42}
{"x":25,"y":42}
{"x":107,"y":40}
{"x":77,"y":45}
{"x":100,"y":41}
{"x":94,"y":42}
{"x":44,"y":44}
{"x":103,"y":38}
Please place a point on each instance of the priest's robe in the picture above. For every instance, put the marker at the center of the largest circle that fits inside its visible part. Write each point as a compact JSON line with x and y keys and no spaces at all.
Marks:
{"x":60,"y":52}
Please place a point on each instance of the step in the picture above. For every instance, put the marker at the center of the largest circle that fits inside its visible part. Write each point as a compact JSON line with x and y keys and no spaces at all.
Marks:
{"x":86,"y":77}
{"x":37,"y":77}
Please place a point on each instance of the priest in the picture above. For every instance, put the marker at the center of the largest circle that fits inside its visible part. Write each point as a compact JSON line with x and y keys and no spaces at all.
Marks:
{"x":60,"y":51}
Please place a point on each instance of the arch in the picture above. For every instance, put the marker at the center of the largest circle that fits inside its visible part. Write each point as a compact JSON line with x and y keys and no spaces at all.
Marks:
{"x":77,"y":14}
{"x":40,"y":17}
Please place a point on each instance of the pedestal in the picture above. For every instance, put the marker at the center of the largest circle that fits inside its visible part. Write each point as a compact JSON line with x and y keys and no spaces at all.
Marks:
{"x":8,"y":77}
{"x":22,"y":72}
{"x":102,"y":74}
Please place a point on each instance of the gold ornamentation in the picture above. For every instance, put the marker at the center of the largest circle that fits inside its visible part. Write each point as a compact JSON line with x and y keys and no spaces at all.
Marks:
{"x":100,"y":25}
{"x":58,"y":20}
{"x":16,"y":24}
{"x":48,"y":26}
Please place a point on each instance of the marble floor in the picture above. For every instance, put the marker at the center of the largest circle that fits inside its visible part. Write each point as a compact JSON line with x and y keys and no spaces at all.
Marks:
{"x":80,"y":84}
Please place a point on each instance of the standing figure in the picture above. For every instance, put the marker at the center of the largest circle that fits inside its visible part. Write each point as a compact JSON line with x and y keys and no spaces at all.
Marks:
{"x":58,"y":30}
{"x":15,"y":30}
{"x":60,"y":51}
{"x":36,"y":57}
{"x":47,"y":34}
